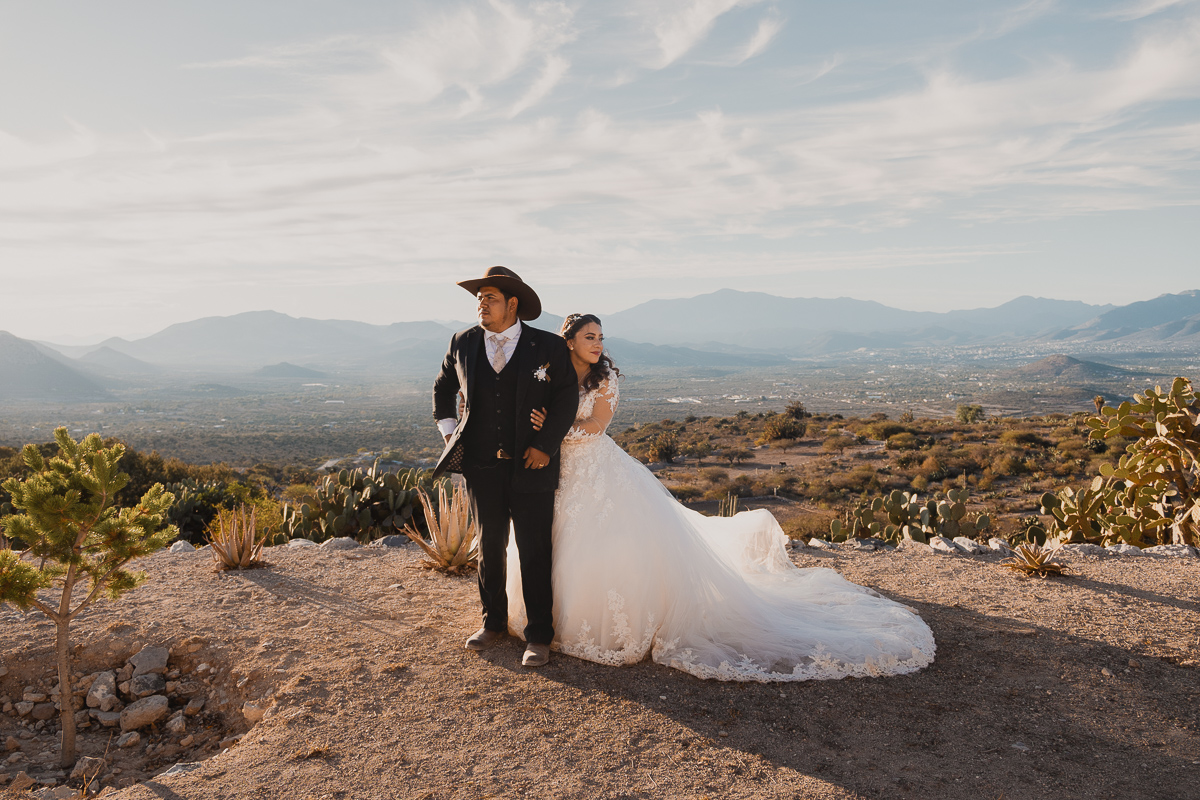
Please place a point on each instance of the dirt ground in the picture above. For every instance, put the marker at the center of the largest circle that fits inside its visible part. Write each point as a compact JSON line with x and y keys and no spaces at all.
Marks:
{"x":1079,"y":687}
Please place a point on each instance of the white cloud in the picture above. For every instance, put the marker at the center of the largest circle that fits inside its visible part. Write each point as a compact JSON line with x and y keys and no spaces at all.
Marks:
{"x":679,"y":25}
{"x":1140,"y":9}
{"x":552,"y":72}
{"x":768,"y":27}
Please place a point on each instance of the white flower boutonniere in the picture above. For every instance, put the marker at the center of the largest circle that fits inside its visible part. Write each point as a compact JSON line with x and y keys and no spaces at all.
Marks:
{"x":540,"y":372}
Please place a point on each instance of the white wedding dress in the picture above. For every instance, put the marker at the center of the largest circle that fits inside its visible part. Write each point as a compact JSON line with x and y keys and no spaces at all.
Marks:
{"x":635,"y":573}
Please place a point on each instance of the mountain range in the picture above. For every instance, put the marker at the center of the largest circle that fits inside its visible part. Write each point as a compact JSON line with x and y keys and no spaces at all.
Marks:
{"x":726,"y":328}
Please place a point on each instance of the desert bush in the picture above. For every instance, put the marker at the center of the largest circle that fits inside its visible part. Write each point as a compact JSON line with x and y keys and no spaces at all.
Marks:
{"x":714,"y":474}
{"x":1023,"y":438}
{"x":836,"y":443}
{"x":903,"y":440}
{"x":969,"y":413}
{"x":796,"y":410}
{"x":664,"y":448}
{"x":698,"y":450}
{"x":781,"y":427}
{"x":882,"y":430}
{"x":686,"y":492}
{"x":735,"y":454}
{"x":72,"y":533}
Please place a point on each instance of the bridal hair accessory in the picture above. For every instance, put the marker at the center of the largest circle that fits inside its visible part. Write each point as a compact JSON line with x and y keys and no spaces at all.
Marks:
{"x":540,"y":372}
{"x":529,"y":306}
{"x":574,"y":322}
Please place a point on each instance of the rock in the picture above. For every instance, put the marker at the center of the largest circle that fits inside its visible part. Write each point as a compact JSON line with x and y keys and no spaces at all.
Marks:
{"x":230,"y":741}
{"x":103,"y":692}
{"x":1134,"y":663}
{"x":3,"y":671}
{"x":187,"y":741}
{"x":392,"y":540}
{"x":23,"y":708}
{"x":821,"y":544}
{"x":941,"y":544}
{"x":863,"y":545}
{"x":124,"y":688}
{"x":340,"y":543}
{"x":1124,"y":549}
{"x":146,"y":685}
{"x":177,"y":725}
{"x":970,"y":545}
{"x":150,"y":660}
{"x":56,"y":793}
{"x":108,"y":719}
{"x":125,"y":673}
{"x":1083,"y":549}
{"x":182,"y":547}
{"x":44,"y":711}
{"x":130,"y":739}
{"x":1024,"y":748}
{"x":1000,"y":546}
{"x":88,"y":767}
{"x":194,"y":706}
{"x":33,"y":696}
{"x":12,"y":743}
{"x":144,"y":712}
{"x":301,"y":543}
{"x":21,"y":782}
{"x":182,"y":768}
{"x":253,"y":712}
{"x":913,"y":546}
{"x":1171,"y":551}
{"x":1106,"y":672}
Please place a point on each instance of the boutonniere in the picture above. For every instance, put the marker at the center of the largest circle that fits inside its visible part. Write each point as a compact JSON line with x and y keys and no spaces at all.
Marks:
{"x":540,"y":372}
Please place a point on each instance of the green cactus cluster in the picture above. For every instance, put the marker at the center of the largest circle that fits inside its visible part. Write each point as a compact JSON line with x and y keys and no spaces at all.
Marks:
{"x":901,"y":515}
{"x":1152,"y":495}
{"x":363,"y":504}
{"x":196,"y":505}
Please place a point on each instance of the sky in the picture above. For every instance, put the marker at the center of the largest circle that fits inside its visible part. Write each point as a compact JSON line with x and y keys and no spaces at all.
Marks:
{"x":352,"y":159}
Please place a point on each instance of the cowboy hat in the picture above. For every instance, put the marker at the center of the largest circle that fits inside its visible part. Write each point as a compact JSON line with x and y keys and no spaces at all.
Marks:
{"x":529,"y":307}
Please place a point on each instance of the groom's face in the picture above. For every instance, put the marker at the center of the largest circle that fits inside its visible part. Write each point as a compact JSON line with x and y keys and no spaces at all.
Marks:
{"x":496,"y":314}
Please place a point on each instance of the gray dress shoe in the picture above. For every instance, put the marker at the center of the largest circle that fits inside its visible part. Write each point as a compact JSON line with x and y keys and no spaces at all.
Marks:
{"x":536,"y":655}
{"x":482,"y":639}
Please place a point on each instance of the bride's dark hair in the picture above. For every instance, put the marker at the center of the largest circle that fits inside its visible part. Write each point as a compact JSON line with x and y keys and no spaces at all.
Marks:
{"x":602,"y":368}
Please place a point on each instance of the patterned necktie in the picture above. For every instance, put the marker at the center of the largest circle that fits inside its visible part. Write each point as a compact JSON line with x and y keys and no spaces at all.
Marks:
{"x":498,"y":359}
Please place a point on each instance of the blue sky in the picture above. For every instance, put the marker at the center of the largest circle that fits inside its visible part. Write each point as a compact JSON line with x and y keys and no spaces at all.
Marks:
{"x":165,"y":161}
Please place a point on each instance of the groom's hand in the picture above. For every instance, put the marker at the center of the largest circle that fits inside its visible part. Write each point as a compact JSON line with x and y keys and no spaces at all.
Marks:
{"x":535,"y":459}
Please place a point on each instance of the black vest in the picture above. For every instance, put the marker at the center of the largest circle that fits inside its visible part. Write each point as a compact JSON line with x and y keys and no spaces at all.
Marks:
{"x":493,"y":423}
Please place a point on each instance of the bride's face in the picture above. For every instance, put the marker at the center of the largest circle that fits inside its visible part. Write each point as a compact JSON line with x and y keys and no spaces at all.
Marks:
{"x":587,"y":344}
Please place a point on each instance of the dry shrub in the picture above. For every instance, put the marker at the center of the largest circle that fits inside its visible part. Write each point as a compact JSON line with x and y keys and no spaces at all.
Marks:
{"x":236,"y":541}
{"x":453,"y":532}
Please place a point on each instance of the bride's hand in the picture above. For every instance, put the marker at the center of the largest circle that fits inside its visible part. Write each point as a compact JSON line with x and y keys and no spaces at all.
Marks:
{"x":538,"y":418}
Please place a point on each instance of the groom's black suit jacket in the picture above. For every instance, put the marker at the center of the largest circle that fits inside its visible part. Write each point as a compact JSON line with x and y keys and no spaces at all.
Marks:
{"x":557,"y":391}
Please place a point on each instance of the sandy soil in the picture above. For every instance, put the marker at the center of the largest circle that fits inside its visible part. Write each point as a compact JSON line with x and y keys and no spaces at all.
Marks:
{"x":1082,"y":687}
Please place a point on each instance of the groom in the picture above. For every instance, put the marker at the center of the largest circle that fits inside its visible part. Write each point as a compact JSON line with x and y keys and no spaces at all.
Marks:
{"x":505,"y":369}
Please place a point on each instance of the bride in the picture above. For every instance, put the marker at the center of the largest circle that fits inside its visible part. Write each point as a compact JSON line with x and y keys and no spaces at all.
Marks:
{"x":635,"y":572}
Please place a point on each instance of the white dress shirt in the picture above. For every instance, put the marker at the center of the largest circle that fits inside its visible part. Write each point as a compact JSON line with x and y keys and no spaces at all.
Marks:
{"x":513,"y":334}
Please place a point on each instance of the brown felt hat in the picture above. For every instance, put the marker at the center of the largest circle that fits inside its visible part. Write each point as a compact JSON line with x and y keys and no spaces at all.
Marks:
{"x":529,"y":307}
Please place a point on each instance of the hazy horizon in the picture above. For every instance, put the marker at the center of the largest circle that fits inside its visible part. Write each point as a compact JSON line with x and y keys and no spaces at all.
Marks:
{"x":162,"y":163}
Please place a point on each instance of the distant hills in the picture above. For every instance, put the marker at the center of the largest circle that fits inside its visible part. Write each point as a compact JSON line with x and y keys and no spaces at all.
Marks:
{"x":727,"y":328}
{"x":26,"y":373}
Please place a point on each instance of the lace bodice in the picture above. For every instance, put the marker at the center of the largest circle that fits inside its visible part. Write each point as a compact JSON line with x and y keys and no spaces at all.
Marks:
{"x":596,"y":410}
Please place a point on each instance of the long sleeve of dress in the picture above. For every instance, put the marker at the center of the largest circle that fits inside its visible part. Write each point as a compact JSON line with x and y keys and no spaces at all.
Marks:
{"x":596,"y":410}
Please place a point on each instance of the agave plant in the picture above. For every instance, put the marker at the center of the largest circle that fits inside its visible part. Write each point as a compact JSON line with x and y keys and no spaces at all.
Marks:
{"x":1033,"y":559}
{"x":453,"y":532}
{"x":236,"y":543}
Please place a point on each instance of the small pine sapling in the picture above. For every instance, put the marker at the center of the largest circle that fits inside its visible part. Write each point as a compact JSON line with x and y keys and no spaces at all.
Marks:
{"x":72,"y":535}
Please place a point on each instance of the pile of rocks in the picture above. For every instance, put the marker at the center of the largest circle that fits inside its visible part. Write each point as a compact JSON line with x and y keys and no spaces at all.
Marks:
{"x":146,"y":698}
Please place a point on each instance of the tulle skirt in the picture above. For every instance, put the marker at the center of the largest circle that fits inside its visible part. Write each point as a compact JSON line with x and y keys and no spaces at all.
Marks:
{"x":636,"y":573}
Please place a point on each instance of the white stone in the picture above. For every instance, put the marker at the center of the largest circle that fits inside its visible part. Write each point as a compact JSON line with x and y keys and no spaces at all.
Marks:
{"x":23,"y":709}
{"x":177,"y":725}
{"x":1171,"y":551}
{"x":301,"y":543}
{"x":34,"y":696}
{"x":182,"y":547}
{"x":88,"y":767}
{"x":941,"y":544}
{"x":253,"y":712}
{"x":1000,"y":546}
{"x":1124,"y":549}
{"x":970,"y":545}
{"x":144,"y":712}
{"x":913,"y":546}
{"x":1083,"y":549}
{"x":821,"y":544}
{"x":129,"y":739}
{"x":341,"y":543}
{"x":150,"y":660}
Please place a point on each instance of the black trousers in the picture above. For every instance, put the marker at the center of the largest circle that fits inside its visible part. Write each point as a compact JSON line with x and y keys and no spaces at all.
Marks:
{"x":532,"y":516}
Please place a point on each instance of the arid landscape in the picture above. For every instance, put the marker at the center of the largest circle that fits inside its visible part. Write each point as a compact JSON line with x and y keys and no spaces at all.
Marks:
{"x":1076,"y":687}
